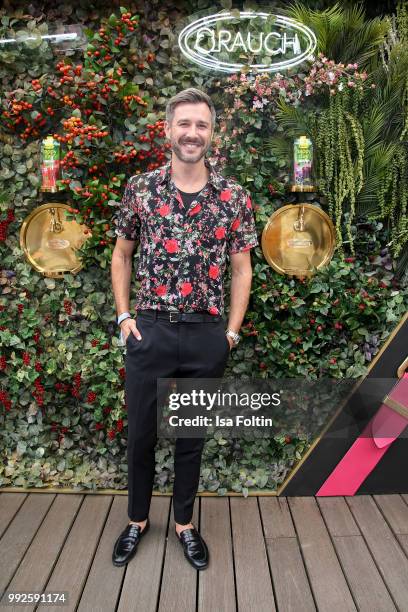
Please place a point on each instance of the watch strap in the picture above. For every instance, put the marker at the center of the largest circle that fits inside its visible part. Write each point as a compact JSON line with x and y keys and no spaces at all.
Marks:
{"x":123,"y":316}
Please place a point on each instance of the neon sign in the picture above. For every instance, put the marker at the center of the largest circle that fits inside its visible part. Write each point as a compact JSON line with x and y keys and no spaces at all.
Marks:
{"x":217,"y":41}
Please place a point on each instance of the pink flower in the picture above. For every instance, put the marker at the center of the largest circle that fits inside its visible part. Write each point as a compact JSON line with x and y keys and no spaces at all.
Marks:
{"x":171,"y":246}
{"x":213,"y":271}
{"x":186,"y":289}
{"x":225,"y":195}
{"x":213,"y":310}
{"x":195,"y":210}
{"x":219,"y":233}
{"x":161,"y":290}
{"x":164,"y":210}
{"x":248,"y":202}
{"x":235,"y":225}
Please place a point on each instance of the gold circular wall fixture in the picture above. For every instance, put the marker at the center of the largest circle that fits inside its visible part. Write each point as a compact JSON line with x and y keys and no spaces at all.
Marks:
{"x":50,"y":241}
{"x":298,"y":239}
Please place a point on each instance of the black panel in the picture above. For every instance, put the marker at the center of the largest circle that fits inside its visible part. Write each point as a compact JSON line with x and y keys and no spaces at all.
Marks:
{"x":390,"y":474}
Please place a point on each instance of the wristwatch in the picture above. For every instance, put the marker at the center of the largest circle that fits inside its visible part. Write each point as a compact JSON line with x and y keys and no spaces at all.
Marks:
{"x":123,"y":316}
{"x":233,"y":335}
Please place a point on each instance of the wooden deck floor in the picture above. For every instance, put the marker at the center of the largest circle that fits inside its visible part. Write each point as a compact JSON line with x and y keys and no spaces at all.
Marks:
{"x":267,"y":553}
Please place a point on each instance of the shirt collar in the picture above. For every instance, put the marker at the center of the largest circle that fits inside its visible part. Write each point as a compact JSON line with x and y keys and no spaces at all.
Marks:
{"x":215,"y":179}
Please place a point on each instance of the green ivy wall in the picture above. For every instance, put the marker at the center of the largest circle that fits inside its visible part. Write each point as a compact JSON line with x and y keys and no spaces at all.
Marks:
{"x":62,"y":406}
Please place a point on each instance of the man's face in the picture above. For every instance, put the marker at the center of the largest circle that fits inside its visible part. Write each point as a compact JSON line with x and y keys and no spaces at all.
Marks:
{"x":190,"y":131}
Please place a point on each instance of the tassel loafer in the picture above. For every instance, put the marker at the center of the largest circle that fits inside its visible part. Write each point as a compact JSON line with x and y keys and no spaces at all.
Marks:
{"x":195,"y":549}
{"x":126,"y":545}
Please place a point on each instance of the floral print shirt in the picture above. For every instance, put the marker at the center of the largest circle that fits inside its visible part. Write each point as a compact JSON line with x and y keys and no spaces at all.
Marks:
{"x":183,"y":250}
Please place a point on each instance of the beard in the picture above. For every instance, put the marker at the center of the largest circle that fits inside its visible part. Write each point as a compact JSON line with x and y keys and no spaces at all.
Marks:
{"x":192,"y":157}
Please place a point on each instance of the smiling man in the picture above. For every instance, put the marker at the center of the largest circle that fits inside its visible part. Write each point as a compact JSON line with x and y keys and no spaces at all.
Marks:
{"x":190,"y":222}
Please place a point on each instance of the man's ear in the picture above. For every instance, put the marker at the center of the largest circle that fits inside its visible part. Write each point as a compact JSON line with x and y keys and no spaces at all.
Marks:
{"x":166,"y":127}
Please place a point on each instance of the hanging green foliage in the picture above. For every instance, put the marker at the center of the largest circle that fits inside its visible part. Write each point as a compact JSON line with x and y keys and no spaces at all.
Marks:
{"x":340,"y":156}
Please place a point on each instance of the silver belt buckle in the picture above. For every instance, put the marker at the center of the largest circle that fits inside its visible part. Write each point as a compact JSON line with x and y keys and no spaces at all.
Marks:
{"x":173,"y":320}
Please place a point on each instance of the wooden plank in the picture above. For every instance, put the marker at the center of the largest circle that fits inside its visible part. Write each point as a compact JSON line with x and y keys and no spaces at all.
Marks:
{"x":403,"y":540}
{"x":143,"y":576}
{"x":326,"y":577}
{"x":72,"y":567}
{"x":363,"y":577}
{"x":292,"y":589}
{"x":390,"y":559}
{"x":253,"y":579}
{"x":216,"y":590}
{"x":276,"y":518}
{"x":179,"y":582}
{"x":19,"y":534}
{"x":32,"y":576}
{"x":395,"y":511}
{"x":104,"y":580}
{"x":339,"y":520}
{"x":10,"y":504}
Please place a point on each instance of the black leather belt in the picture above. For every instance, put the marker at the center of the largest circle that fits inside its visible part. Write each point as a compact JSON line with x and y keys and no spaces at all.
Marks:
{"x":180,"y":317}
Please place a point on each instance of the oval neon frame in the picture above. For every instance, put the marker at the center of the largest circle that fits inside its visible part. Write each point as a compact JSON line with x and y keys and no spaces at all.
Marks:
{"x":185,"y":37}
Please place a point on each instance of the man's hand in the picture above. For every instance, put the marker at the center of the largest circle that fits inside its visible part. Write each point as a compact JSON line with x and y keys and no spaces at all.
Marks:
{"x":231,"y":343}
{"x":128,"y":326}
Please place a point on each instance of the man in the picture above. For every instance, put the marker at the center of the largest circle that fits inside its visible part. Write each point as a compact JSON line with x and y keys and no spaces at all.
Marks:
{"x":187,"y":218}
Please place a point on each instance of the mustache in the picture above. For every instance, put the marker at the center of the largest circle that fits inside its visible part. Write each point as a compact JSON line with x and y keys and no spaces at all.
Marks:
{"x":199,"y":142}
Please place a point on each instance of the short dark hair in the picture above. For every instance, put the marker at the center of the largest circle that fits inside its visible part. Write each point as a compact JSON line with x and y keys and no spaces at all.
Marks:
{"x":190,"y":96}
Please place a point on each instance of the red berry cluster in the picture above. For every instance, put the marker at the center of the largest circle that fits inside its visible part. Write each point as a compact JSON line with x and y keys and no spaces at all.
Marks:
{"x":156,"y":153}
{"x":68,"y":307}
{"x":19,"y":114}
{"x":74,"y":126}
{"x":36,"y":85}
{"x":76,"y":385}
{"x":91,"y":397}
{"x":4,"y":399}
{"x":5,"y":223}
{"x":69,"y":160}
{"x":62,"y":387}
{"x":3,"y":362}
{"x":127,"y":103}
{"x":38,"y":394}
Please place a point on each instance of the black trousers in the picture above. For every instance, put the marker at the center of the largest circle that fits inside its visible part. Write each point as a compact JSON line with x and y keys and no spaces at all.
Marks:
{"x":167,"y":350}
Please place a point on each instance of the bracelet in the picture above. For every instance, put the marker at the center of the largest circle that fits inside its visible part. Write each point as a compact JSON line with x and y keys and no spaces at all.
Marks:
{"x":123,"y":316}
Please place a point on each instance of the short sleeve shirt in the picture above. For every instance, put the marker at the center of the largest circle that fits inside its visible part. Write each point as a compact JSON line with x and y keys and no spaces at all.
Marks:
{"x":184,"y":249}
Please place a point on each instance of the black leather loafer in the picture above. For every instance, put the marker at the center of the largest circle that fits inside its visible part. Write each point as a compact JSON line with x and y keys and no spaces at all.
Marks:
{"x":126,"y":544}
{"x":195,"y":549}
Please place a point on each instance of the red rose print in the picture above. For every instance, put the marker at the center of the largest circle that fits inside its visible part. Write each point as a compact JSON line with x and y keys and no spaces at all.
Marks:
{"x":171,"y":246}
{"x":164,"y":210}
{"x":195,"y":210}
{"x":220,"y":233}
{"x":235,"y":225}
{"x":186,"y":288}
{"x":248,"y":202}
{"x":213,"y":310}
{"x":161,"y":290}
{"x":225,"y":195}
{"x":213,"y":271}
